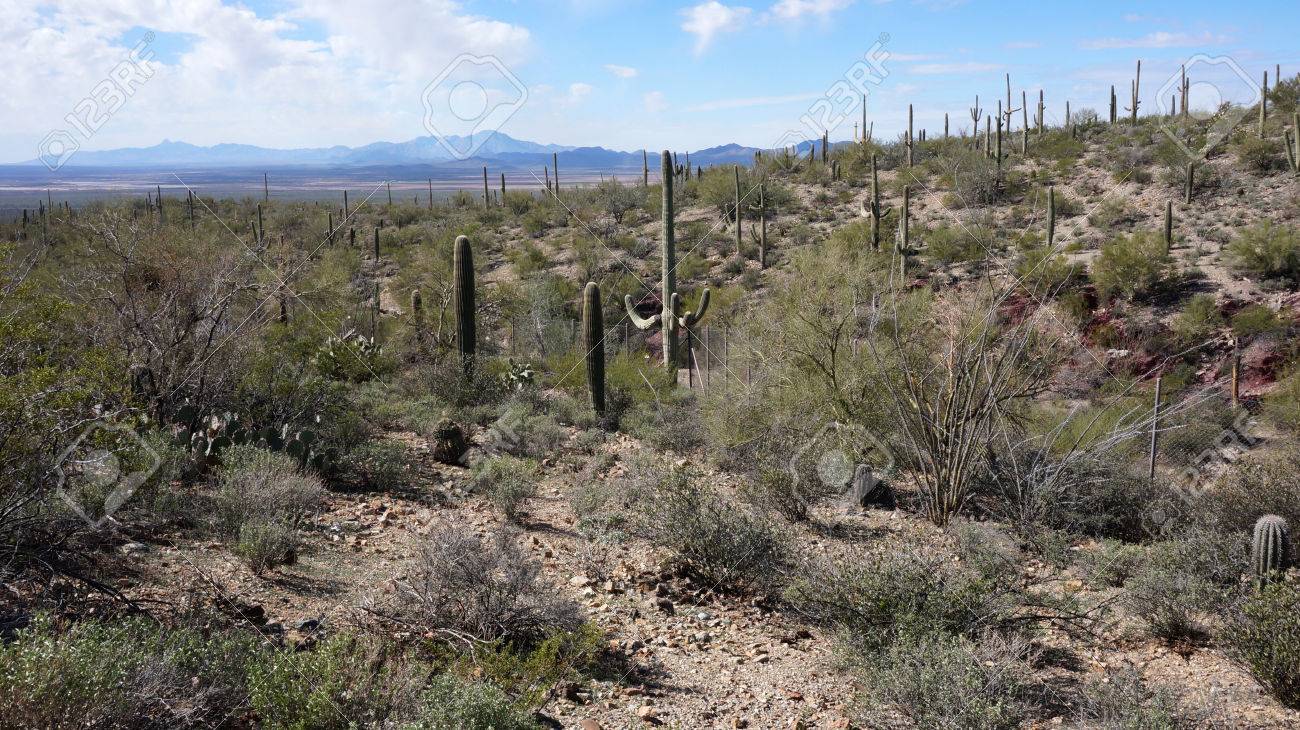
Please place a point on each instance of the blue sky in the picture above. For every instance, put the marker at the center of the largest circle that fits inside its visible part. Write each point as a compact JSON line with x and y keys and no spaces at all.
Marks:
{"x":626,"y":74}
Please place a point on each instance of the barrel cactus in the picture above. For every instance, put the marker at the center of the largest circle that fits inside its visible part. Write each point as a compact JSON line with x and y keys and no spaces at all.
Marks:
{"x":1270,"y":550}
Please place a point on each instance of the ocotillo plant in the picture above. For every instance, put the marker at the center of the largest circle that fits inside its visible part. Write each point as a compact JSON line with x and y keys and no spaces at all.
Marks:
{"x":463,"y":301}
{"x":1270,"y":549}
{"x":1291,"y":140}
{"x":668,"y":318}
{"x":1051,"y":215}
{"x":736,"y":210}
{"x":593,"y":342}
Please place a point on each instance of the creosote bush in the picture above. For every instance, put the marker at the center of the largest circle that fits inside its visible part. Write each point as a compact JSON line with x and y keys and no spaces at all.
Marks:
{"x":507,"y":480}
{"x":1267,"y":251}
{"x":1133,"y":267}
{"x":1264,"y":636}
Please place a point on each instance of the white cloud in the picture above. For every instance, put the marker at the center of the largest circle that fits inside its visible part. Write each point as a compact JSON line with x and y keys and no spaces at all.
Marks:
{"x":720,"y":104}
{"x":1022,"y":44}
{"x":654,"y":102}
{"x":579,"y":91}
{"x":706,"y":20}
{"x":795,"y":9}
{"x":623,"y":72}
{"x":967,"y":67}
{"x":1157,"y":39}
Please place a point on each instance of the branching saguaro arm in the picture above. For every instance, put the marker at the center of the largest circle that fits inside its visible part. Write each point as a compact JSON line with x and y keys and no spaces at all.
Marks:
{"x":667,"y":318}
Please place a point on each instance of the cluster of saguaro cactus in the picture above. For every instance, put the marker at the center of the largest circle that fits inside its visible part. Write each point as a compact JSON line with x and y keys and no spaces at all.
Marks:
{"x":593,"y":341}
{"x":463,"y":301}
{"x":1270,"y":548}
{"x":670,"y":318}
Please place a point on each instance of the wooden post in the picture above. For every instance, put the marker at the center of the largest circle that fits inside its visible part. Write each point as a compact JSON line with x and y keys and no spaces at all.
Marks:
{"x":1155,"y":431}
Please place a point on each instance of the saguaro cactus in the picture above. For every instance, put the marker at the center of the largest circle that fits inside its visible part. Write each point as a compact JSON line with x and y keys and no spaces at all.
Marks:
{"x":463,"y":301}
{"x":975,"y":114}
{"x":1270,"y":549}
{"x":1291,"y":140}
{"x":1189,"y":183}
{"x":1114,"y":109}
{"x":668,"y":318}
{"x":1136,"y":95}
{"x":904,"y":229}
{"x":910,"y":141}
{"x":593,"y":342}
{"x":736,"y":170}
{"x":1051,"y":215}
{"x":1263,"y":106}
{"x":876,"y":212}
{"x":487,"y":197}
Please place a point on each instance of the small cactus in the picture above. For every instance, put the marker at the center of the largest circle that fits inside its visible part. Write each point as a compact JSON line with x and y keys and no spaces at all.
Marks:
{"x":593,"y":341}
{"x":1270,"y":550}
{"x":463,"y":301}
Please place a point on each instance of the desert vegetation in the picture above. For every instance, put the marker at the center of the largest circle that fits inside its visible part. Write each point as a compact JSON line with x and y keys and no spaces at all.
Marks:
{"x":955,"y":431}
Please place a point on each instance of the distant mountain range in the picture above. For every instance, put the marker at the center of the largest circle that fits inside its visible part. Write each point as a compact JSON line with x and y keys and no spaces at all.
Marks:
{"x":495,"y":148}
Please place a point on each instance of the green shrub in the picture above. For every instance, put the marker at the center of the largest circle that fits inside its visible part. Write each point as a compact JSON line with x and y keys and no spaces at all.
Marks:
{"x":721,"y":544}
{"x":1260,"y":482}
{"x":1260,"y":155}
{"x":1181,"y":579}
{"x":1267,"y":251}
{"x":380,"y":464}
{"x":507,"y":480}
{"x":1256,"y":320}
{"x":1265,"y":637}
{"x":265,"y":546}
{"x":260,"y":487}
{"x":945,"y":681}
{"x":1133,"y":267}
{"x":952,"y":244}
{"x":1197,"y":322}
{"x":451,"y":703}
{"x":1125,"y":702}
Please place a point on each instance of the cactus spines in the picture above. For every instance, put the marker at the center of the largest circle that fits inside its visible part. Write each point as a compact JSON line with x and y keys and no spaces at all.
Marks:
{"x":463,"y":301}
{"x":593,"y":342}
{"x":667,"y":317}
{"x":1051,"y":215}
{"x":1270,"y":548}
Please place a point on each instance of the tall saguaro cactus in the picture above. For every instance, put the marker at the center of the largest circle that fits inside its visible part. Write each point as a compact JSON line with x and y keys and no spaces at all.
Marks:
{"x":910,"y":142}
{"x":593,"y":342}
{"x":463,"y":301}
{"x":669,"y":317}
{"x":876,"y":212}
{"x":739,"y":224}
{"x":1291,"y":140}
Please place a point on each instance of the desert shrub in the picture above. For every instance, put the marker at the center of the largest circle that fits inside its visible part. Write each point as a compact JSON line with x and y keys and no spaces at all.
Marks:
{"x":1197,"y":321}
{"x":1132,"y":267}
{"x":1267,"y":251}
{"x":1260,"y":482}
{"x":1129,"y":163}
{"x":379,"y":464}
{"x":522,"y":431}
{"x":1264,"y":636}
{"x":670,"y":423}
{"x":721,"y":544}
{"x":259,"y":487}
{"x":617,"y":199}
{"x":1180,"y":579}
{"x":462,"y":586}
{"x":944,"y":681}
{"x":451,"y":703}
{"x":531,"y":675}
{"x":951,"y":244}
{"x":1125,"y":702}
{"x":1256,"y":320}
{"x":1113,"y":213}
{"x":896,"y":591}
{"x":1260,"y":155}
{"x":266,"y":545}
{"x":1056,"y":145}
{"x":528,"y":258}
{"x":975,"y":180}
{"x":507,"y":480}
{"x":1112,"y":564}
{"x":1046,"y":270}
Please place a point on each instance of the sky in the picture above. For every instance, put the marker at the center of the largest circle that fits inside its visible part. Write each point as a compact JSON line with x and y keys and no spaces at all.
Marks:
{"x":622,"y":74}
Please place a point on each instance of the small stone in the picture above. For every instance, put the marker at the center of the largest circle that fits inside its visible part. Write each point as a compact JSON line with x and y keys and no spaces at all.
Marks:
{"x":135,"y":548}
{"x":646,"y":712}
{"x":579,"y":581}
{"x":590,"y":724}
